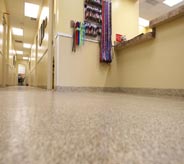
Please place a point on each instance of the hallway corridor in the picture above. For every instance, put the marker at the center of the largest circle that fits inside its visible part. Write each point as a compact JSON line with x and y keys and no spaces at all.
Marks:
{"x":45,"y":127}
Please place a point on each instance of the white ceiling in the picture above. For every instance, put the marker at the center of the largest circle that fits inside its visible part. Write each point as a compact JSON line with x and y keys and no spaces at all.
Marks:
{"x":17,"y":19}
{"x":150,"y":9}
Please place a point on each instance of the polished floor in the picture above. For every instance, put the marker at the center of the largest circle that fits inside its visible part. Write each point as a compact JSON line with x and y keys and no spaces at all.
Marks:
{"x":45,"y":127}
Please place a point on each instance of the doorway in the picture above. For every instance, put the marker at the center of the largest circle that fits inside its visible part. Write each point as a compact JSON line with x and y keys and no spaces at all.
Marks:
{"x":21,"y":75}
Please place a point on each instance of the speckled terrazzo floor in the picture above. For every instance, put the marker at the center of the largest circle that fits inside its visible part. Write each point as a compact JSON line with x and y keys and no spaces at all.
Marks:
{"x":44,"y":127}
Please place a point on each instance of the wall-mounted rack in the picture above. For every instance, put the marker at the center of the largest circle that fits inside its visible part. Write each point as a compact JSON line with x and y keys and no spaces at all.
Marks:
{"x":93,"y":18}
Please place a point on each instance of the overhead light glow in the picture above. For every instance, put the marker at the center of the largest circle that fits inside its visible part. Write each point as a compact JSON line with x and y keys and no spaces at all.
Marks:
{"x":172,"y":3}
{"x":12,"y":52}
{"x":143,"y":22}
{"x":26,"y":45}
{"x":1,"y":41}
{"x":1,"y":28}
{"x":17,"y":31}
{"x":44,"y":13}
{"x":33,"y":59}
{"x":46,"y":36}
{"x":40,"y":55}
{"x":25,"y":58}
{"x":31,"y":10}
{"x":19,"y":52}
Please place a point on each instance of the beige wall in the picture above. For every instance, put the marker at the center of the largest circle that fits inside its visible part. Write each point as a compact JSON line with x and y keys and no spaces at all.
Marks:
{"x":7,"y":68}
{"x":2,"y":8}
{"x":1,"y":63}
{"x":42,"y":72}
{"x":125,"y":15}
{"x":11,"y":68}
{"x":155,"y":64}
{"x":83,"y":69}
{"x":38,"y":73}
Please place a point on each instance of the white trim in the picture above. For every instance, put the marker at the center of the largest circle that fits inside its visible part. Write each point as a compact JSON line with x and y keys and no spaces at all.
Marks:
{"x":57,"y":60}
{"x":70,"y":36}
{"x":91,"y":40}
{"x":63,"y":35}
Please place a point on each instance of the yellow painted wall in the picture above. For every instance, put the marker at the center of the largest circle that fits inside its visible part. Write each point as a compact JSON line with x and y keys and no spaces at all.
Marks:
{"x":38,"y":73}
{"x":11,"y":69}
{"x":7,"y":62}
{"x":32,"y":80}
{"x":125,"y":15}
{"x":1,"y":63}
{"x":33,"y":60}
{"x":2,"y":8}
{"x":42,"y":72}
{"x":83,"y":69}
{"x":155,"y":64}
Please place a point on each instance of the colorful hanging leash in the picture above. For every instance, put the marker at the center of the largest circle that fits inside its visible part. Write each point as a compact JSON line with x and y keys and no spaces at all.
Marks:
{"x":106,"y":42}
{"x":78,"y":34}
{"x":74,"y":36}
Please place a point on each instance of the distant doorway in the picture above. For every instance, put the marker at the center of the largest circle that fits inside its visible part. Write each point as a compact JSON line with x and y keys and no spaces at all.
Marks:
{"x":21,"y":74}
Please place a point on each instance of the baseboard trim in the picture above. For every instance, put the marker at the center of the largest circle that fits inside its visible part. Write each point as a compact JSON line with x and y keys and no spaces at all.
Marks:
{"x":137,"y":91}
{"x":154,"y":91}
{"x":87,"y":89}
{"x":42,"y":87}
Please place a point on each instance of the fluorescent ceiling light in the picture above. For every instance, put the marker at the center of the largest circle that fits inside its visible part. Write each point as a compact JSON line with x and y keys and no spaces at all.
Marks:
{"x":143,"y":22}
{"x":172,"y":3}
{"x":25,"y":58}
{"x":19,"y":52}
{"x":31,"y":10}
{"x":26,"y":45}
{"x":17,"y":31}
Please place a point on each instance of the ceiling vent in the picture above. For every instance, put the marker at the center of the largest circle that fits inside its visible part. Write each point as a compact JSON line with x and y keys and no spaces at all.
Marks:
{"x":152,"y":2}
{"x":18,"y":41}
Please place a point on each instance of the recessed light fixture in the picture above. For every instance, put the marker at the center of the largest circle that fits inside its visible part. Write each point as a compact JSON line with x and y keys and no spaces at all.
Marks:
{"x":25,"y":58}
{"x":172,"y":3}
{"x":19,"y":52}
{"x":143,"y":22}
{"x":31,"y":10}
{"x":17,"y":31}
{"x":26,"y":45}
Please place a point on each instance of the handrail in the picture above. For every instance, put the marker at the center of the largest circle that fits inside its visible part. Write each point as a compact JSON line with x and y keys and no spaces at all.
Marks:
{"x":70,"y":36}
